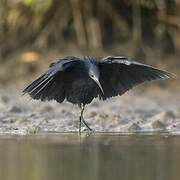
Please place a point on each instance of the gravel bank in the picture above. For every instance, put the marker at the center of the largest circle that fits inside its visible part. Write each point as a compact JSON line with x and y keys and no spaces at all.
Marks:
{"x":157,"y":111}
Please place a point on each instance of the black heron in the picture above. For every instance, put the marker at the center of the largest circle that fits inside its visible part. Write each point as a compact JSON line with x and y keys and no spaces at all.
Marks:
{"x":80,"y":80}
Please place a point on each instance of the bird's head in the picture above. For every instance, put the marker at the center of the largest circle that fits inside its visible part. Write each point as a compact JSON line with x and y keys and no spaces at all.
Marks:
{"x":94,"y":75}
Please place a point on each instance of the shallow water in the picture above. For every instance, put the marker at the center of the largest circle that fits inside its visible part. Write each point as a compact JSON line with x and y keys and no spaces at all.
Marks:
{"x":95,"y":157}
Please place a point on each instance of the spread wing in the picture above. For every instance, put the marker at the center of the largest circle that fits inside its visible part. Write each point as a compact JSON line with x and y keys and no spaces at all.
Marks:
{"x":119,"y":74}
{"x":51,"y":85}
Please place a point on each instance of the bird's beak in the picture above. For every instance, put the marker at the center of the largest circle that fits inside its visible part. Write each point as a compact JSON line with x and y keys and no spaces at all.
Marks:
{"x":99,"y":84}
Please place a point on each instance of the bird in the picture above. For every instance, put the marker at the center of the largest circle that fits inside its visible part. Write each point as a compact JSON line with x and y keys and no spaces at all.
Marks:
{"x":79,"y":80}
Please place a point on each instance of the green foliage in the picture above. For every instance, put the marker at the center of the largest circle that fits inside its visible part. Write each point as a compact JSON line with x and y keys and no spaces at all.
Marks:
{"x":37,"y":5}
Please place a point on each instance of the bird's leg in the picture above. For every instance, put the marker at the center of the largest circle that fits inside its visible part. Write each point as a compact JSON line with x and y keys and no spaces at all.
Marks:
{"x":81,"y":119}
{"x":84,"y":122}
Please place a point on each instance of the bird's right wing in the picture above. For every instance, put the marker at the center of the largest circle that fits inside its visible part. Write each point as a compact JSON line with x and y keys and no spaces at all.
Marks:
{"x":119,"y":74}
{"x":61,"y":65}
{"x":51,"y":84}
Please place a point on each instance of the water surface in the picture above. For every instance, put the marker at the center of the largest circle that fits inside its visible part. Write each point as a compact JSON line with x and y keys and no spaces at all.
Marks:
{"x":96,"y":157}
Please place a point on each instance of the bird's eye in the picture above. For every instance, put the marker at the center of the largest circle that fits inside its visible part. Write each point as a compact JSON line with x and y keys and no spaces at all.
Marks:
{"x":92,"y":75}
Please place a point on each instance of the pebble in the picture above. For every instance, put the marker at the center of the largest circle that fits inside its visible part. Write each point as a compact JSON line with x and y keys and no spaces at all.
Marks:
{"x":46,"y":108}
{"x":4,"y":99}
{"x":15,"y":109}
{"x":178,"y":111}
{"x":103,"y":116}
{"x":158,"y":125}
{"x":134,"y":127}
{"x":165,"y":117}
{"x":92,"y":114}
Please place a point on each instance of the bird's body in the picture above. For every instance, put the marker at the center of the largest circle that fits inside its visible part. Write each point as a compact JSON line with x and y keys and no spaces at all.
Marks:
{"x":80,"y":80}
{"x":81,"y":91}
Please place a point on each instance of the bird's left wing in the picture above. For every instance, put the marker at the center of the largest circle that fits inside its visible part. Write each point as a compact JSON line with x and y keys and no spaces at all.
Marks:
{"x":119,"y":74}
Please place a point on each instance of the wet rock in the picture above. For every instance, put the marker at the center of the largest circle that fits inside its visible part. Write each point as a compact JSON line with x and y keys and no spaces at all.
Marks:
{"x":134,"y":127}
{"x":21,"y":120}
{"x":92,"y":114}
{"x":176,"y":125}
{"x":103,"y":116}
{"x":15,"y":109}
{"x":33,"y":115}
{"x":178,"y":111}
{"x":158,"y":125}
{"x":169,"y":114}
{"x":46,"y":109}
{"x":117,"y":116}
{"x":4,"y":99}
{"x":165,"y":117}
{"x":63,"y":111}
{"x":102,"y":119}
{"x":7,"y":120}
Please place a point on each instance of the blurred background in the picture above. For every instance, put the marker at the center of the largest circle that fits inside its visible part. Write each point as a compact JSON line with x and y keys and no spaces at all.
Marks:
{"x":35,"y":32}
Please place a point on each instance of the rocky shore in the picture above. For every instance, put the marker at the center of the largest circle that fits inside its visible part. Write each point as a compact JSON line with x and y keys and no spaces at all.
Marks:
{"x":157,"y":111}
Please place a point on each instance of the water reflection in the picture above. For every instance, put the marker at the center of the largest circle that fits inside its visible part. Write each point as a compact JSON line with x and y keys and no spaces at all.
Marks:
{"x":68,"y":157}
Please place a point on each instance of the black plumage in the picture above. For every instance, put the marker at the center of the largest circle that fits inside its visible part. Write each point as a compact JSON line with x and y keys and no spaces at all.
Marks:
{"x":80,"y":80}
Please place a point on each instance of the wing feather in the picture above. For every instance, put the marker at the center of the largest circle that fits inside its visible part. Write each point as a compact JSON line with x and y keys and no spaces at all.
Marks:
{"x":119,"y":74}
{"x":52,"y":84}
